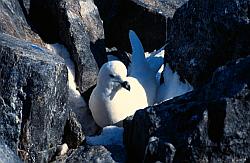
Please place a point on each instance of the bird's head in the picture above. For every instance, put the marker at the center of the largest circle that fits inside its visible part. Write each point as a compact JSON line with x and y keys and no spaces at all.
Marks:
{"x":113,"y":74}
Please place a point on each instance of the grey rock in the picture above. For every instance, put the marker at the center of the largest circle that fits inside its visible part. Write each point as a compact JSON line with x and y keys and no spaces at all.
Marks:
{"x":147,"y":18}
{"x":80,"y":37}
{"x":73,"y":135}
{"x":118,"y":153}
{"x":7,"y":155}
{"x":13,"y":22}
{"x":210,"y":124}
{"x":166,"y":8}
{"x":90,"y":154}
{"x":154,"y":151}
{"x":33,"y":97}
{"x":84,"y":117}
{"x":77,"y":25}
{"x":204,"y":35}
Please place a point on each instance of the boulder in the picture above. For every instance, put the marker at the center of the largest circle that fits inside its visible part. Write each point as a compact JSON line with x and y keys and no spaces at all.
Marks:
{"x":204,"y":35}
{"x":90,"y":154}
{"x":78,"y":26}
{"x":13,"y":22}
{"x":73,"y":135}
{"x":81,"y":31}
{"x":7,"y":155}
{"x":146,"y":18}
{"x":210,"y":124}
{"x":33,"y":98}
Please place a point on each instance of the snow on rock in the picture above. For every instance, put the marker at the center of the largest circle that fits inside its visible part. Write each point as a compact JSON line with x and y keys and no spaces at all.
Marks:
{"x":111,"y":135}
{"x":75,"y":97}
{"x":172,"y":85}
{"x":155,"y":60}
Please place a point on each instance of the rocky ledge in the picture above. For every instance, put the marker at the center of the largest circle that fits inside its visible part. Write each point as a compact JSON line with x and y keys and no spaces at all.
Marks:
{"x":207,"y":43}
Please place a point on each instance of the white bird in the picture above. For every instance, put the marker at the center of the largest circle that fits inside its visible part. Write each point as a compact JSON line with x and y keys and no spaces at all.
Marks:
{"x":141,"y":70}
{"x":172,"y":85}
{"x":115,"y":96}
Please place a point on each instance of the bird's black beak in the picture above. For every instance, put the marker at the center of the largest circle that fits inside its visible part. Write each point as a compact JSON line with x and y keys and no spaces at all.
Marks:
{"x":125,"y":85}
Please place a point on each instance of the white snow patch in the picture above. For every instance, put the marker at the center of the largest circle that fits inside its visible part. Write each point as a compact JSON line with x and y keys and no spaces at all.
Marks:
{"x":111,"y":135}
{"x":158,"y":74}
{"x":75,"y":97}
{"x":172,"y":86}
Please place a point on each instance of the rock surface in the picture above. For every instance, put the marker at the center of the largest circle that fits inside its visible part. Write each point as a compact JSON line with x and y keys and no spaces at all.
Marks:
{"x":33,"y":98}
{"x":7,"y":155}
{"x":90,"y":154}
{"x":79,"y":38}
{"x":146,"y":18}
{"x":77,"y":25}
{"x":73,"y":134}
{"x":210,"y":124}
{"x":13,"y":22}
{"x":204,"y":35}
{"x":206,"y":125}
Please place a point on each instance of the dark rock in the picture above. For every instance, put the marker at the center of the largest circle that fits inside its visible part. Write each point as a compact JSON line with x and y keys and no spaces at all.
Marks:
{"x":25,"y":5}
{"x":91,"y":154}
{"x":171,"y":122}
{"x":81,"y":31}
{"x":118,"y":152}
{"x":154,"y":151}
{"x":207,"y":125}
{"x":7,"y":155}
{"x":146,"y":18}
{"x":123,"y":56}
{"x":13,"y":22}
{"x":33,"y":97}
{"x":40,"y":15}
{"x":73,"y":135}
{"x":84,"y":117}
{"x":230,"y":79}
{"x":204,"y":35}
{"x":46,"y":155}
{"x":77,"y":25}
{"x":166,"y":8}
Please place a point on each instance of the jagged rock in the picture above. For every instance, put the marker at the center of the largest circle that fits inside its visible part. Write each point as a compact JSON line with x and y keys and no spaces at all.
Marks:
{"x":77,"y":25}
{"x":204,"y":35}
{"x":168,"y":122}
{"x":7,"y":155}
{"x":73,"y":134}
{"x":13,"y":22}
{"x":146,"y":18}
{"x":154,"y":151}
{"x":166,"y":8}
{"x":33,"y":98}
{"x":81,"y":31}
{"x":207,"y":125}
{"x":91,"y":154}
{"x":118,"y":152}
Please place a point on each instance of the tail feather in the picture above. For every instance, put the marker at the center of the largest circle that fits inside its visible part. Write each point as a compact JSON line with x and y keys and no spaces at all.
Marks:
{"x":138,"y":56}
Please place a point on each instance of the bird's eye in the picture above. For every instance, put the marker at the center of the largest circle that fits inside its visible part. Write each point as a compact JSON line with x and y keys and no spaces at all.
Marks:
{"x":112,"y":76}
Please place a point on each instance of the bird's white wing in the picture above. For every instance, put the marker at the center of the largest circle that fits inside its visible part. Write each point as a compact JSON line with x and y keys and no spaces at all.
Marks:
{"x":141,"y":70}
